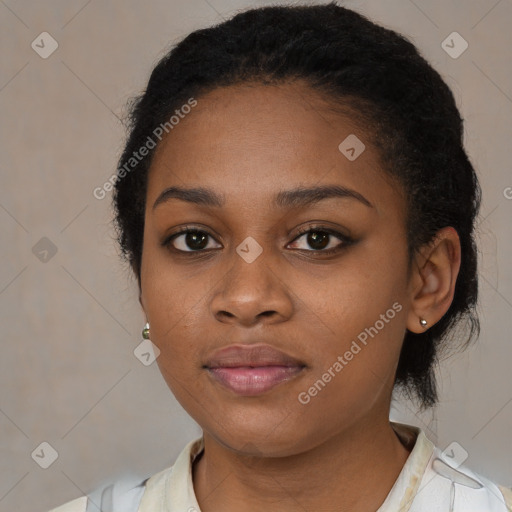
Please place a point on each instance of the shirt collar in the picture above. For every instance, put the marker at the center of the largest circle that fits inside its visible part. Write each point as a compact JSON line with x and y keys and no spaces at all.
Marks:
{"x":406,"y":486}
{"x":172,"y":489}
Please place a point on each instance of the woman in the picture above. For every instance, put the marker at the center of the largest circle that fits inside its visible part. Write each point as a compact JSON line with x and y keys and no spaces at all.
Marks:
{"x":296,"y":203}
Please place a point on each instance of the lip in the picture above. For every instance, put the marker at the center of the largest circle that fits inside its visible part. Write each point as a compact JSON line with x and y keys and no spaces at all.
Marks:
{"x":250,"y":370}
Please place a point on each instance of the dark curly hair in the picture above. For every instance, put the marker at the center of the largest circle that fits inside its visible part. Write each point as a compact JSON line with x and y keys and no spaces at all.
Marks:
{"x":408,"y":112}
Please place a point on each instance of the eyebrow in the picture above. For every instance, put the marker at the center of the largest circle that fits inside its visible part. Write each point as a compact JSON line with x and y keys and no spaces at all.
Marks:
{"x":294,"y":198}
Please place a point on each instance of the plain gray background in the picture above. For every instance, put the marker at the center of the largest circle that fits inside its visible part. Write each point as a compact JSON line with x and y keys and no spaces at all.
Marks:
{"x":71,"y":320}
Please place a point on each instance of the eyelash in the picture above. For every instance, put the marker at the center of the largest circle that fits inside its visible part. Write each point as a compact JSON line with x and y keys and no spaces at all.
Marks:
{"x":346,"y":240}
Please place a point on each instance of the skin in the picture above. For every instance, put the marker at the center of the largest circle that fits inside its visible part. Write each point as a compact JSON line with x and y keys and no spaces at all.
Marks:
{"x":270,"y":452}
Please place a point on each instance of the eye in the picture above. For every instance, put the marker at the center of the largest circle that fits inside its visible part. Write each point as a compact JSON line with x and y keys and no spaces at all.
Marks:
{"x":188,"y":240}
{"x":320,"y":238}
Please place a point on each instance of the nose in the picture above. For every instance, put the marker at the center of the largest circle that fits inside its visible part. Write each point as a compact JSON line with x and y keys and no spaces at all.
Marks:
{"x":250,"y":293}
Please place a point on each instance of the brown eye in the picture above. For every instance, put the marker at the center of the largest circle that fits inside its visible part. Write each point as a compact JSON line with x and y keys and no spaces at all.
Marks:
{"x":318,"y":239}
{"x":189,"y":240}
{"x":321,"y":240}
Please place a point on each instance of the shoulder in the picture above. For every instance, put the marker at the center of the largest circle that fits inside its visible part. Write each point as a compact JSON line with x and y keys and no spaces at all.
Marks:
{"x":437,"y":480}
{"x":78,"y":505}
{"x":131,"y":493}
{"x":450,"y":481}
{"x":123,"y":495}
{"x":507,"y":495}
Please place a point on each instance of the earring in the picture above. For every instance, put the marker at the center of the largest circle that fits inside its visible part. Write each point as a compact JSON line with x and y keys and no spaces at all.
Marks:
{"x":423,"y":322}
{"x":145,"y":331}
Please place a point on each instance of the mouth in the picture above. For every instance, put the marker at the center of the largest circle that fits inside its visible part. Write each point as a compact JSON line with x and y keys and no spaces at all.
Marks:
{"x":250,"y":370}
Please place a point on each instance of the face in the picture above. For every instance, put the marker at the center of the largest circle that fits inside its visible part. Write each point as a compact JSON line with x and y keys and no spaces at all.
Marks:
{"x":322,"y":277}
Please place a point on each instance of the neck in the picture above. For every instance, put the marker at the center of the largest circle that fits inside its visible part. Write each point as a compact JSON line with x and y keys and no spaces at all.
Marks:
{"x":352,"y":471}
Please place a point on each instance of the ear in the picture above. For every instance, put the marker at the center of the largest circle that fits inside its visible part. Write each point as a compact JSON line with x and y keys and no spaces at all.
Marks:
{"x":432,"y":283}
{"x":137,"y":275}
{"x":141,"y":303}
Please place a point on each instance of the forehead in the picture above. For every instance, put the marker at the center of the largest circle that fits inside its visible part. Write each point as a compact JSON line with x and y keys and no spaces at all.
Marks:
{"x":250,"y":141}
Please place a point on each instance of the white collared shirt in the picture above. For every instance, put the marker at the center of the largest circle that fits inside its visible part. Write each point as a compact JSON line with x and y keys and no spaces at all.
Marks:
{"x":430,"y":481}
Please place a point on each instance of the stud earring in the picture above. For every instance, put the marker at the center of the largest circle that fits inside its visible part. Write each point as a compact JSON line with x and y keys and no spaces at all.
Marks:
{"x":145,"y":331}
{"x":423,"y":322}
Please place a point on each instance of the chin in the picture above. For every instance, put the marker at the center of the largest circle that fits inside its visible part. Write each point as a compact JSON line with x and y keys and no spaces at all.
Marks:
{"x":265,"y":434}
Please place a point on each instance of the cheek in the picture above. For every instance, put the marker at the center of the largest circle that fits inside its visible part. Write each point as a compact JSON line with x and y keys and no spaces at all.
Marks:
{"x":354,"y":295}
{"x":358,"y":314}
{"x":174,"y":326}
{"x":170,"y":294}
{"x":353,"y":366}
